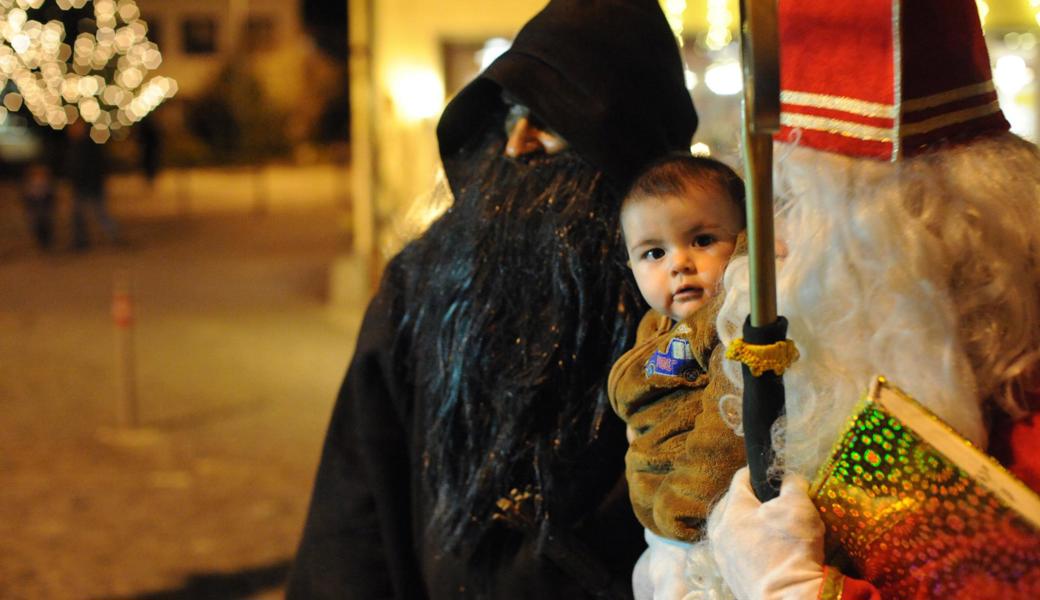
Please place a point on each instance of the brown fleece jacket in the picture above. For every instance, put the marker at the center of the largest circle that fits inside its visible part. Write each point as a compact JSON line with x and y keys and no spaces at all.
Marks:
{"x":667,"y":388}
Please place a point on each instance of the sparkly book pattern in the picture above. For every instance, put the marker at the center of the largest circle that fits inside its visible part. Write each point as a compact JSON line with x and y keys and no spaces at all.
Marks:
{"x":915,"y":523}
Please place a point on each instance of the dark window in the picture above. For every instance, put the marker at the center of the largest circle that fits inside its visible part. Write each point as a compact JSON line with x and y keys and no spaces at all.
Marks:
{"x":461,"y":61}
{"x":155,"y":31}
{"x":200,"y":35}
{"x":260,"y":32}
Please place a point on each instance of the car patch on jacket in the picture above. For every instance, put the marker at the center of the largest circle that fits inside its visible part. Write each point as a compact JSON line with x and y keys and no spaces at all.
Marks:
{"x":677,"y":361}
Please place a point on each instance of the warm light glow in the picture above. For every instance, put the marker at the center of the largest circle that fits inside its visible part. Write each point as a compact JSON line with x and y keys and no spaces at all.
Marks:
{"x":983,"y":10}
{"x":13,"y":101}
{"x":87,"y":86}
{"x":1011,"y":74}
{"x":418,"y":93}
{"x":89,"y":109}
{"x":720,"y":20}
{"x":673,"y":12}
{"x":492,"y":49}
{"x":16,"y":18}
{"x":724,"y":78}
{"x":60,"y":83}
{"x":20,"y":42}
{"x":700,"y":149}
{"x":691,"y":79}
{"x":100,"y":134}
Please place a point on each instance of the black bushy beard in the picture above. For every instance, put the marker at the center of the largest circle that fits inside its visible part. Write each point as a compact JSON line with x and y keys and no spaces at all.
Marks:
{"x":519,"y":302}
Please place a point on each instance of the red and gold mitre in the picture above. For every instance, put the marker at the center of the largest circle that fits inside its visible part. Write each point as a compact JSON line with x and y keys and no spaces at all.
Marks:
{"x":884,"y":78}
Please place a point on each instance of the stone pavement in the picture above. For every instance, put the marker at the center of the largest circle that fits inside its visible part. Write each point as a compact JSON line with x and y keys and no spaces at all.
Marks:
{"x":237,"y":360}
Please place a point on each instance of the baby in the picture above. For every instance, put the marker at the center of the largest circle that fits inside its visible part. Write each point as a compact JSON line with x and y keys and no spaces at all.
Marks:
{"x":682,"y":220}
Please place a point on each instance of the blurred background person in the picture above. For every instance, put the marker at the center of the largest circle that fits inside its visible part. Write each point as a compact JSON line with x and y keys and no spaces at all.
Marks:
{"x":149,"y":138}
{"x":86,"y":168}
{"x":38,"y":200}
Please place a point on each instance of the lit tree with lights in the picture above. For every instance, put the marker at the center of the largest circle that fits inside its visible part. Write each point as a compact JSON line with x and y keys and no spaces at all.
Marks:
{"x":102,"y":77}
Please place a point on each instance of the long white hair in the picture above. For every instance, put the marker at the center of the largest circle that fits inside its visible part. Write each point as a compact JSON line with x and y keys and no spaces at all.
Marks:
{"x":926,"y":271}
{"x":923,"y":270}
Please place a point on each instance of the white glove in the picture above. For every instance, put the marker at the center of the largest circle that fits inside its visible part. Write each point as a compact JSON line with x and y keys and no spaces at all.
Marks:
{"x":770,"y":551}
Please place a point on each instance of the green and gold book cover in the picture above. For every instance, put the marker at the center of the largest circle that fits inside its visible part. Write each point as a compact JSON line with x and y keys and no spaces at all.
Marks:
{"x":916,"y":508}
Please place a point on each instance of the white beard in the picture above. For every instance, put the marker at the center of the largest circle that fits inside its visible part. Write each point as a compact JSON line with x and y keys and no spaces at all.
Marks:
{"x":926,"y":271}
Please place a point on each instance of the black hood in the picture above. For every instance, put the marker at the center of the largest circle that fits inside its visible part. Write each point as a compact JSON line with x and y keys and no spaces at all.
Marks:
{"x":604,"y":74}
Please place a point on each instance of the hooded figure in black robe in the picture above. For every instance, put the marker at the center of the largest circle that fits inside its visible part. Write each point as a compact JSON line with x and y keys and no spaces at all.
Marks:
{"x":471,"y":452}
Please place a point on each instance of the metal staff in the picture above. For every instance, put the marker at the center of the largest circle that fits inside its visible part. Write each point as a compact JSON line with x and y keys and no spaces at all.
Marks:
{"x":764,"y":350}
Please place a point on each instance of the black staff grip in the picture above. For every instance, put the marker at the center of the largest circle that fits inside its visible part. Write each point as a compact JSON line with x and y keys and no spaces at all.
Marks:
{"x":763,"y":404}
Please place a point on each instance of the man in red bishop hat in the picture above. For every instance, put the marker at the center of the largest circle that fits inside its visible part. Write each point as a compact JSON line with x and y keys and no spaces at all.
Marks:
{"x":910,"y":221}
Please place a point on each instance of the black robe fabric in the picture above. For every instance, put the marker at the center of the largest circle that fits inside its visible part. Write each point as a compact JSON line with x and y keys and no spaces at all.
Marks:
{"x":364,"y":533}
{"x":606,"y":75}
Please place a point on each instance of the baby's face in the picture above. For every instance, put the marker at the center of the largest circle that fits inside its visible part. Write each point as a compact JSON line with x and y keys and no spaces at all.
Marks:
{"x":678,"y":247}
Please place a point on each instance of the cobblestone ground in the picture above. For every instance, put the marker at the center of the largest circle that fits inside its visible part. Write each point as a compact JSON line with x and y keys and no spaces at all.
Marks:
{"x":237,"y":361}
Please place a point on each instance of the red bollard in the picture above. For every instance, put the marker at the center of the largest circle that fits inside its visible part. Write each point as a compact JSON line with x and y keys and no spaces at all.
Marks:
{"x":123,"y":319}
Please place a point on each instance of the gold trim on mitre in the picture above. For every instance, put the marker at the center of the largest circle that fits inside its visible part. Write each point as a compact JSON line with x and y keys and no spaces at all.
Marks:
{"x":841,"y":103}
{"x":874,"y":133}
{"x":975,"y":89}
{"x":953,"y":118}
{"x":837,"y":126}
{"x":880,"y":110}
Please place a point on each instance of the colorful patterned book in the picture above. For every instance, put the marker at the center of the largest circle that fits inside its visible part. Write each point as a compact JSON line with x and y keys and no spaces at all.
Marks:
{"x":920,"y":512}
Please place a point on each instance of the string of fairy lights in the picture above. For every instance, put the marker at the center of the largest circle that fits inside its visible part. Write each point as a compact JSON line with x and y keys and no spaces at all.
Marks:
{"x":102,"y":77}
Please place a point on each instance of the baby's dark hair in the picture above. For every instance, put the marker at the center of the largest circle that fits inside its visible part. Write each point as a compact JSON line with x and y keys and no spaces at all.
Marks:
{"x":672,"y":174}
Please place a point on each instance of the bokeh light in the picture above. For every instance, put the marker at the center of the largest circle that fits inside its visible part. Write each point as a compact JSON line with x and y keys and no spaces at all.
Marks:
{"x":724,"y":78}
{"x":493,"y":48}
{"x":700,"y":149}
{"x":1011,"y":74}
{"x":720,"y":21}
{"x":418,"y":93}
{"x":673,"y":11}
{"x":60,"y":83}
{"x":691,"y":79}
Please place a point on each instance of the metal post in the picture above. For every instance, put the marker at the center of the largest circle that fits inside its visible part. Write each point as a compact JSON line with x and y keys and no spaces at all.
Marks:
{"x":759,"y":50}
{"x":364,"y":146}
{"x":123,"y":319}
{"x":758,"y":164}
{"x":260,"y":195}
